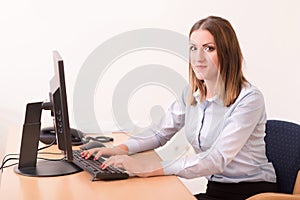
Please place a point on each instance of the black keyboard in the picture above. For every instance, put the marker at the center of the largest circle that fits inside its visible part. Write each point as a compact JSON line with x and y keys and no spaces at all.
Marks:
{"x":93,"y":167}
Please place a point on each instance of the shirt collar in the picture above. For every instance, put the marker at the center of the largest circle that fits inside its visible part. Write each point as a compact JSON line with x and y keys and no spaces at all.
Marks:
{"x":215,"y":98}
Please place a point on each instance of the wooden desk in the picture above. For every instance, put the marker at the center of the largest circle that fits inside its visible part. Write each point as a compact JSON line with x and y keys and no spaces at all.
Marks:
{"x":79,"y":186}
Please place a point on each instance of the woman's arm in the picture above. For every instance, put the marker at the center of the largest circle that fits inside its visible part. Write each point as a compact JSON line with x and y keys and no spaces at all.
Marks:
{"x":157,"y":135}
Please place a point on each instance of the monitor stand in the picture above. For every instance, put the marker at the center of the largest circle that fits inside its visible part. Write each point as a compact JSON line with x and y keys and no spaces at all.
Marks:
{"x":28,"y":164}
{"x":45,"y":168}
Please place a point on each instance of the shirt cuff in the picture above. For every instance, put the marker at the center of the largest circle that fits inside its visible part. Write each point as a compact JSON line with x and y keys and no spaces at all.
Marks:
{"x":133,"y":146}
{"x":170,"y":168}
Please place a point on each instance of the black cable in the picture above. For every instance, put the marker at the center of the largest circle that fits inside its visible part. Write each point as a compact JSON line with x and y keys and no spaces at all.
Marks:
{"x":6,"y":159}
{"x":9,"y":165}
{"x":3,"y":163}
{"x":45,"y":147}
{"x":12,"y":154}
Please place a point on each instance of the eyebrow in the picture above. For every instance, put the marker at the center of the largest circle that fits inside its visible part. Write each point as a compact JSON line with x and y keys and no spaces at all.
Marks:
{"x":203,"y":44}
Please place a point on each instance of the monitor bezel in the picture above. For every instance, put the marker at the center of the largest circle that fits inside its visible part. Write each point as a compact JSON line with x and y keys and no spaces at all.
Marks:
{"x":58,"y":99}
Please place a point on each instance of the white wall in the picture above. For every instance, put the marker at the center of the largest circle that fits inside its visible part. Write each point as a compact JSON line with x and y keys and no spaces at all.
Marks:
{"x":268,"y":32}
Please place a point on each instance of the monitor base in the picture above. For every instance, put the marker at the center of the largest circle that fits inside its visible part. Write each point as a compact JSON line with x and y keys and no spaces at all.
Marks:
{"x":45,"y":168}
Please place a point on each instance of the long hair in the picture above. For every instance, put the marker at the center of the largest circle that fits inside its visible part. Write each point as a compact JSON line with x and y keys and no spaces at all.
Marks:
{"x":230,"y":60}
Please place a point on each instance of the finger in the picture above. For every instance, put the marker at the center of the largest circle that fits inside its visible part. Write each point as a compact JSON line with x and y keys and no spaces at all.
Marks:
{"x":119,"y":163}
{"x":110,"y":161}
{"x":98,"y":154}
{"x":85,"y":153}
{"x":88,"y":153}
{"x":115,"y":161}
{"x":104,"y":152}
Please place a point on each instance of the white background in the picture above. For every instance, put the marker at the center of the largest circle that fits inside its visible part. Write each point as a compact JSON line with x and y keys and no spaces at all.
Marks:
{"x":30,"y":30}
{"x":268,"y":32}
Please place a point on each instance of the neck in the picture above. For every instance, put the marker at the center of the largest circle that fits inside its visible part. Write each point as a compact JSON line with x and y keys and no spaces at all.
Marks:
{"x":211,"y":89}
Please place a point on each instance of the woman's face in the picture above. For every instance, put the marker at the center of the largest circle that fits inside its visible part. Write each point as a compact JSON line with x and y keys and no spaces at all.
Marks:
{"x":203,"y":55}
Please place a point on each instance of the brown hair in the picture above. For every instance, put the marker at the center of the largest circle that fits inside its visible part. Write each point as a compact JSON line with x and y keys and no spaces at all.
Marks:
{"x":230,"y":60}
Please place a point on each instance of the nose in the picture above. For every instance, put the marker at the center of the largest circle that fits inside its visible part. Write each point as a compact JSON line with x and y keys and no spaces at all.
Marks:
{"x":198,"y":56}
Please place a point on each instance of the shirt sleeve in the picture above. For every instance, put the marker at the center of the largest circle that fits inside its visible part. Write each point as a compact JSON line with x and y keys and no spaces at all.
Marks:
{"x":248,"y":111}
{"x":157,"y":135}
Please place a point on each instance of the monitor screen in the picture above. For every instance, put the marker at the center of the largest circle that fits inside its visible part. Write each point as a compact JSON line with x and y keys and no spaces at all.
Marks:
{"x":29,"y":164}
{"x":58,"y":99}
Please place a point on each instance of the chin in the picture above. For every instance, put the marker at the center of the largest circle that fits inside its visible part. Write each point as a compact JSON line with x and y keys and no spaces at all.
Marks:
{"x":200,"y":77}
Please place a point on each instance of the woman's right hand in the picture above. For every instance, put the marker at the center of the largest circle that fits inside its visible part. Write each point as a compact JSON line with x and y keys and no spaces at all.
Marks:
{"x":105,"y":151}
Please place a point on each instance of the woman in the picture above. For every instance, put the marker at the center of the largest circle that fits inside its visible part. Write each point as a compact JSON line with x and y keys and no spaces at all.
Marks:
{"x":224,"y":118}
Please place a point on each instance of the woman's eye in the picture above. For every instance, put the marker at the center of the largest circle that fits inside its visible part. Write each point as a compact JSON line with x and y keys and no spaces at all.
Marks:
{"x":193,"y":48}
{"x":209,"y":48}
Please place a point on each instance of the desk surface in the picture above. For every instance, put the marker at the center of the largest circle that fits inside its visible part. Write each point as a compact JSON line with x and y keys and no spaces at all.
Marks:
{"x":79,"y":186}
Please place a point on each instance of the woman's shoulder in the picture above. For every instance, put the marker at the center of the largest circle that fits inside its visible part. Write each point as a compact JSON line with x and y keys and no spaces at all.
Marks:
{"x":251,"y":91}
{"x":250,"y":88}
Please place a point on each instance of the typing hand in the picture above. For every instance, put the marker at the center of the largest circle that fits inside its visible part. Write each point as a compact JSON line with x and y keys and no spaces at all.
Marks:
{"x":104,"y":151}
{"x":138,"y":167}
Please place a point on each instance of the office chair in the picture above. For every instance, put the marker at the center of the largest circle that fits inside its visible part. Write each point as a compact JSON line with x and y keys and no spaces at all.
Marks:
{"x":283,"y":150}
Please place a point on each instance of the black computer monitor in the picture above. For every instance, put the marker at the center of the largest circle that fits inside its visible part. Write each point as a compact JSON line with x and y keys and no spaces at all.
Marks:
{"x":29,"y":164}
{"x":58,"y":100}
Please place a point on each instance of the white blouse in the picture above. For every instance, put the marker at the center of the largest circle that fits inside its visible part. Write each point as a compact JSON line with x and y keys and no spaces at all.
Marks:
{"x":228,"y":141}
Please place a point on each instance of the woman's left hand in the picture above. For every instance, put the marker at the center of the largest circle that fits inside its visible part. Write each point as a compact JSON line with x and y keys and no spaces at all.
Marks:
{"x":138,"y":167}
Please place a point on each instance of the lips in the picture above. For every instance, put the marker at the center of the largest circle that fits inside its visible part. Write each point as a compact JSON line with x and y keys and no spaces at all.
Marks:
{"x":199,"y":67}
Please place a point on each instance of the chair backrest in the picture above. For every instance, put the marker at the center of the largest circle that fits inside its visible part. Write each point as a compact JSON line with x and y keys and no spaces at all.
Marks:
{"x":283,"y":150}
